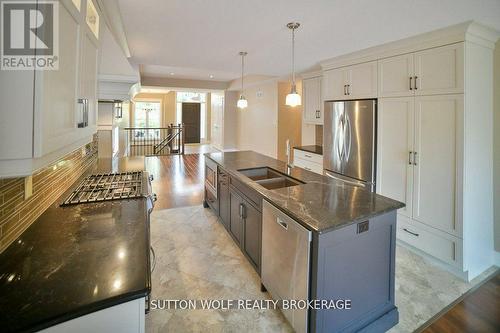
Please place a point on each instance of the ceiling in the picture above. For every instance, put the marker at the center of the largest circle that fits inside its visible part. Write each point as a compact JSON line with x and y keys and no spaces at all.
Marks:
{"x":196,"y":38}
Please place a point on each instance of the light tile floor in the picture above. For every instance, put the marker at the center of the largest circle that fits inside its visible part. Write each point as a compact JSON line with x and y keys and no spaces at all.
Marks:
{"x":197,"y":259}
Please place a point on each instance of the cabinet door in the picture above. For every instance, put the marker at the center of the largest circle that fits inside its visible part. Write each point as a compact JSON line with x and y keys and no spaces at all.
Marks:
{"x":395,"y":142}
{"x":88,"y":74}
{"x":362,"y":81}
{"x":334,"y":82}
{"x":440,"y":70}
{"x":312,"y":101}
{"x":252,"y":233}
{"x":438,"y":124}
{"x":394,"y":76}
{"x":57,"y":91}
{"x":235,"y":220}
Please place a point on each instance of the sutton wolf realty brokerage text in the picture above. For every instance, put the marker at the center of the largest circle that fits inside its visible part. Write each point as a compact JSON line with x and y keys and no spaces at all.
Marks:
{"x":242,"y":304}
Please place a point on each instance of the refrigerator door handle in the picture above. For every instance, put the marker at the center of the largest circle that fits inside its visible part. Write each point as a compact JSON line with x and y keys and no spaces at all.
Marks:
{"x":347,"y":137}
{"x":350,"y":182}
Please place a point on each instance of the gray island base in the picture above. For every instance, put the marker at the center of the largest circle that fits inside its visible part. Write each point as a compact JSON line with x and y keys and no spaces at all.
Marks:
{"x":309,"y":237}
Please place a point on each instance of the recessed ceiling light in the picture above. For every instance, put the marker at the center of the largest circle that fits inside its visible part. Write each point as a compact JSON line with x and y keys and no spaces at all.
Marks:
{"x":211,"y":76}
{"x":172,"y":73}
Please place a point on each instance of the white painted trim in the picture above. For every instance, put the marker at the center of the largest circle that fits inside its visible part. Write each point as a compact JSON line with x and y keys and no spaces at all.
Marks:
{"x":118,"y":78}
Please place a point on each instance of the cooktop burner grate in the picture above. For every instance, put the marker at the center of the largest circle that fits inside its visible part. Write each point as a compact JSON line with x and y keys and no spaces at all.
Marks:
{"x":107,"y":186}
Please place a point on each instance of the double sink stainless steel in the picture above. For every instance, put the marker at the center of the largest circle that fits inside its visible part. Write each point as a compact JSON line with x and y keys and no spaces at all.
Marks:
{"x":270,"y":178}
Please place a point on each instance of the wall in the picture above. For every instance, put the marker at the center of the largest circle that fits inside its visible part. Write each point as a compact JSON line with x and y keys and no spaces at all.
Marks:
{"x":49,"y":183}
{"x":257,"y":125}
{"x":289,"y":121}
{"x":496,"y":149}
{"x":230,"y":114}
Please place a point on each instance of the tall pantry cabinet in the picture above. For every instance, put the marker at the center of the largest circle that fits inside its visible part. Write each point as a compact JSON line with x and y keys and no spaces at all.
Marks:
{"x":49,"y":113}
{"x":434,"y":137}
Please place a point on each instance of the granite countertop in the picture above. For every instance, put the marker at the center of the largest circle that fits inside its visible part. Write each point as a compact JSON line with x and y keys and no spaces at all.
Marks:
{"x":315,"y":149}
{"x":77,"y":259}
{"x":321,"y":204}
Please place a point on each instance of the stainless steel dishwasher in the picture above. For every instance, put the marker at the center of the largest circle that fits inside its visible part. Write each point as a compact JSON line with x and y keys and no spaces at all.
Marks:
{"x":285,"y":262}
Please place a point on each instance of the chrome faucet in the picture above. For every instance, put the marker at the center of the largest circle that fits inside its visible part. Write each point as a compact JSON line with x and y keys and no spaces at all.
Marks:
{"x":289,"y":165}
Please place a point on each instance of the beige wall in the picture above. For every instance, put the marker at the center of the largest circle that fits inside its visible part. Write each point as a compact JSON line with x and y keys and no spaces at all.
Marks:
{"x":256,"y":126}
{"x":496,"y":147}
{"x":289,"y":121}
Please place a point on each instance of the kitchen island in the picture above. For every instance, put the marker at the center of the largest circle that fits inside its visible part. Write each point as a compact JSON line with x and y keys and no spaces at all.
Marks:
{"x":81,"y":261}
{"x":349,"y":235}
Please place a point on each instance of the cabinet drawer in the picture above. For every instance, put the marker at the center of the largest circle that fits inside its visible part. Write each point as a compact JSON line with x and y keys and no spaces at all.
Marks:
{"x":308,"y":165}
{"x":304,"y":155}
{"x":439,"y":245}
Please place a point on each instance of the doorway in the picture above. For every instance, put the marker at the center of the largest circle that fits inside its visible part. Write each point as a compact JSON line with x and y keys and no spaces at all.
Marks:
{"x":191,"y":118}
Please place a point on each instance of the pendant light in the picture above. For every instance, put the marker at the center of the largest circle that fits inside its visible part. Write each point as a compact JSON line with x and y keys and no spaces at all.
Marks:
{"x":293,"y":98}
{"x":242,"y":102}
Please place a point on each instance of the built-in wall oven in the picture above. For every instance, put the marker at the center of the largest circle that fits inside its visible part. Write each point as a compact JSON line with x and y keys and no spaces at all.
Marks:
{"x":211,"y":183}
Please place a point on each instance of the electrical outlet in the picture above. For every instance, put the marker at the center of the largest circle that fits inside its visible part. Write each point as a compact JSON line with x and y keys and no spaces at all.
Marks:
{"x":363,"y":226}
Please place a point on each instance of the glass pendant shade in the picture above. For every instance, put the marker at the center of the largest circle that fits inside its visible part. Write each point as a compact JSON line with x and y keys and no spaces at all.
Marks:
{"x":242,"y":102}
{"x":293,"y":99}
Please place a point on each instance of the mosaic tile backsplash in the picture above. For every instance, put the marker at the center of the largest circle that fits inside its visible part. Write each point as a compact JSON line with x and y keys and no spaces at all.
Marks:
{"x":17,"y":213}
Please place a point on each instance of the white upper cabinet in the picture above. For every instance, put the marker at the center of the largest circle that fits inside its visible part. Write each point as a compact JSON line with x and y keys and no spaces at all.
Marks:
{"x":352,"y":82}
{"x":334,"y":84}
{"x":50,"y":113}
{"x":440,"y":70}
{"x":311,"y":94}
{"x":435,"y":71}
{"x":395,"y":76}
{"x":362,"y":81}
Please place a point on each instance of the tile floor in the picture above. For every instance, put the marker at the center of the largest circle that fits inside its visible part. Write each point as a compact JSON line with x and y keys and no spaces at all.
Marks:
{"x":197,"y":259}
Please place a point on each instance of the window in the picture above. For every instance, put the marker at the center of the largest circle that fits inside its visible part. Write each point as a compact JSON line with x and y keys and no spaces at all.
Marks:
{"x":147,"y":114}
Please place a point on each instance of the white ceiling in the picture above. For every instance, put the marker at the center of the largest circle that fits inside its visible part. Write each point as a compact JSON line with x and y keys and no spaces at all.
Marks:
{"x":196,"y":38}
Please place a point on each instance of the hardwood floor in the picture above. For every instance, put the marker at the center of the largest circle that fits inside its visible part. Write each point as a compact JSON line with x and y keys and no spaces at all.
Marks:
{"x":178,"y":179}
{"x":478,"y":311}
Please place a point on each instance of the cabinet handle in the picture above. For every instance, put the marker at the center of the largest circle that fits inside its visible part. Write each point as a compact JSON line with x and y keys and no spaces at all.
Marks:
{"x":410,"y":157}
{"x":345,"y":91}
{"x":416,"y":77}
{"x":284,"y":225}
{"x":411,"y":86}
{"x":411,"y":232}
{"x":415,"y":158}
{"x":348,"y":89}
{"x":307,"y":168}
{"x":242,"y":211}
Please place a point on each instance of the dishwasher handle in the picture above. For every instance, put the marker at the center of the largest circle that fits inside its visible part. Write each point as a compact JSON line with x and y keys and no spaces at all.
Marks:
{"x":283,"y":224}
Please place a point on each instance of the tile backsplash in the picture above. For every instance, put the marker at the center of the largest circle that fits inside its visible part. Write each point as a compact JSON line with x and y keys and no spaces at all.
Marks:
{"x":17,"y":213}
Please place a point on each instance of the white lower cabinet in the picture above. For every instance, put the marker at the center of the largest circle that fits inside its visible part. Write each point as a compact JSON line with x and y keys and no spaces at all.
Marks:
{"x":128,"y":317}
{"x":419,"y":154}
{"x":309,"y":161}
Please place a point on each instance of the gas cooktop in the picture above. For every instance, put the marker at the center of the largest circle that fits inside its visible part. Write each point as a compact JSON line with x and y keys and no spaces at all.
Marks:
{"x":109,"y":186}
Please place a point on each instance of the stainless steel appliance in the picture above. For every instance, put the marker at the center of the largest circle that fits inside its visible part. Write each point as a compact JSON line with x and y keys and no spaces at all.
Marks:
{"x":285,"y":262}
{"x":349,"y":146}
{"x":111,"y":186}
{"x":211,"y":184}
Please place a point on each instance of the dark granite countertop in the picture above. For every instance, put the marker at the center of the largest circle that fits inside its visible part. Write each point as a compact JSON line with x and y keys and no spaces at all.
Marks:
{"x":77,"y":259}
{"x":322,"y":204}
{"x":315,"y":149}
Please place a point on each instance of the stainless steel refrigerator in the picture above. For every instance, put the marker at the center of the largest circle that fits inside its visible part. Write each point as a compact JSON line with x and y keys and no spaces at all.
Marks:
{"x":349,"y":145}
